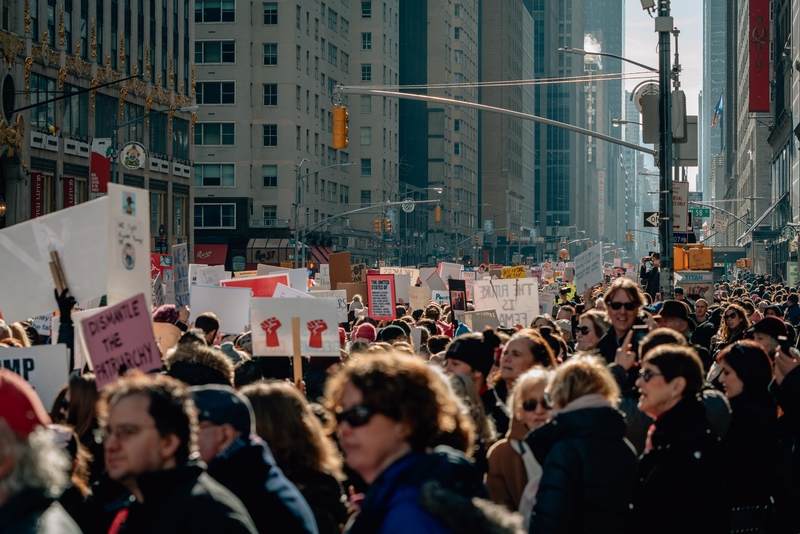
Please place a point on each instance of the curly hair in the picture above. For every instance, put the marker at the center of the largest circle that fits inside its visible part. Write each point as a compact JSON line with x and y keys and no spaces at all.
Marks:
{"x":404,"y":388}
{"x":725,"y":334}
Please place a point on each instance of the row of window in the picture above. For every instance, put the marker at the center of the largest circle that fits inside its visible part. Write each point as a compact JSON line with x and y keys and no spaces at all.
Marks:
{"x":224,"y":175}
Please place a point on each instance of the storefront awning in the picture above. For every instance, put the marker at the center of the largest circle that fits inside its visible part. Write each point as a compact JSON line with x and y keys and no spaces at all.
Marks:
{"x":210,"y":254}
{"x":763,"y":216}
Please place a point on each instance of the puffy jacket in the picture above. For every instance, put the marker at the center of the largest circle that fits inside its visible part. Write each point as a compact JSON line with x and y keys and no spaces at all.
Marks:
{"x":589,"y":472}
{"x":33,"y":512}
{"x":679,"y":484}
{"x":507,"y":477}
{"x":248,"y":469}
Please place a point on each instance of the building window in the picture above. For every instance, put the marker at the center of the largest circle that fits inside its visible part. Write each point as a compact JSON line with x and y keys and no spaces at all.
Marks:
{"x":366,"y":72}
{"x":366,"y":197}
{"x":270,"y":94}
{"x":215,"y":11}
{"x":270,"y":54}
{"x":180,"y":206}
{"x":457,"y":149}
{"x":457,"y":10}
{"x":214,"y":52}
{"x":270,"y":213}
{"x":366,"y":104}
{"x":457,"y":125}
{"x":215,"y":215}
{"x":333,"y":55}
{"x":269,"y":175}
{"x":214,"y":175}
{"x":298,"y":14}
{"x":366,"y":135}
{"x":333,"y":19}
{"x":345,"y":28}
{"x":216,"y":93}
{"x":331,"y":192}
{"x":366,"y":10}
{"x":458,"y":56}
{"x":366,"y":40}
{"x":457,"y":33}
{"x":345,"y":62}
{"x":270,"y":135}
{"x":76,"y":113}
{"x":214,"y":134}
{"x":270,"y":13}
{"x":158,"y":211}
{"x":366,"y":168}
{"x":344,"y":194}
{"x":457,"y":170}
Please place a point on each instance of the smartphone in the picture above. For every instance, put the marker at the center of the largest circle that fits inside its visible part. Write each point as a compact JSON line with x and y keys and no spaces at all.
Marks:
{"x":783,"y":341}
{"x":639,"y":332}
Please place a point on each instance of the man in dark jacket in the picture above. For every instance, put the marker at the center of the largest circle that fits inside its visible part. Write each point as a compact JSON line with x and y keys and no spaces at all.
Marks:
{"x":651,"y":280}
{"x":32,"y":470}
{"x":675,"y":315}
{"x":149,"y":430}
{"x":240,"y":461}
{"x":792,"y":314}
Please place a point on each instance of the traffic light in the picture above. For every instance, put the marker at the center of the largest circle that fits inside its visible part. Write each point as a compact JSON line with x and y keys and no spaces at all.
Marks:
{"x":340,"y":127}
{"x":388,"y":226}
{"x":437,"y":214}
{"x":629,"y":238}
{"x":513,"y":237}
{"x":475,"y":241}
{"x":378,"y":226}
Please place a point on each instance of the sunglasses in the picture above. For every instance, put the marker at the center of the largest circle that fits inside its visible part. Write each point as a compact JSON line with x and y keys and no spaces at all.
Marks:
{"x":731,"y":316}
{"x":647,"y":374}
{"x":531,"y":405}
{"x":630,"y":306}
{"x":584,"y":330}
{"x":355,"y":417}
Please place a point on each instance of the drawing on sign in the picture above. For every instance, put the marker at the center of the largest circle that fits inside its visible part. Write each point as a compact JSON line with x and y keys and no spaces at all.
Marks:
{"x":650,"y":219}
{"x":316,"y":327}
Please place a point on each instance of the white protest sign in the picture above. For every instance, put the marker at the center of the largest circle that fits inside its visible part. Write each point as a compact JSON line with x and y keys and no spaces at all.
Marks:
{"x":413,"y":272}
{"x":286,"y":292}
{"x":469,"y":280}
{"x":324,"y":274}
{"x":272,"y":326}
{"x":128,"y":243}
{"x":180,"y":274}
{"x":42,"y":324}
{"x":231,"y":305}
{"x":381,"y":297}
{"x":480,"y":320}
{"x":79,"y":235}
{"x":435,"y":282}
{"x":419,"y":297}
{"x":193,"y":270}
{"x":44,"y":367}
{"x":158,"y":296}
{"x":516,"y":300}
{"x":546,"y":302}
{"x":416,"y":338}
{"x":169,"y":292}
{"x":401,"y":285}
{"x":425,"y":273}
{"x":298,"y":278}
{"x":341,"y":301}
{"x":589,"y":267}
{"x":210,"y":276}
{"x":440,"y":297}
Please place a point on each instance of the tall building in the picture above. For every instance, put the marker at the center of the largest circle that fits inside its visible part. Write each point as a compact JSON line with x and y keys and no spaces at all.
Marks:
{"x":266,"y":75}
{"x":712,"y":103}
{"x":51,"y":48}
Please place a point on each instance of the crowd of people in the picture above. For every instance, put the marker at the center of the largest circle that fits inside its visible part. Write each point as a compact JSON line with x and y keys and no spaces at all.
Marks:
{"x":614,"y":412}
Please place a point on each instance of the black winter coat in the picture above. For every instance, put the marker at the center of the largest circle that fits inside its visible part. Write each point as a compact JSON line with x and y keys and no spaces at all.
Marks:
{"x":249,"y":471}
{"x":32,"y":512}
{"x":589,"y":472}
{"x":787,"y":457}
{"x":679,"y":486}
{"x":185,"y":499}
{"x":326,"y":498}
{"x":95,"y":514}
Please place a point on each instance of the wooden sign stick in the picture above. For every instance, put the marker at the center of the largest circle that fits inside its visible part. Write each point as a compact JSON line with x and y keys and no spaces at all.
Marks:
{"x":297,"y":359}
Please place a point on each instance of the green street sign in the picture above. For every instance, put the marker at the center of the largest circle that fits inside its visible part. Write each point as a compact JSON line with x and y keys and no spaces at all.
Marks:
{"x":700,"y":212}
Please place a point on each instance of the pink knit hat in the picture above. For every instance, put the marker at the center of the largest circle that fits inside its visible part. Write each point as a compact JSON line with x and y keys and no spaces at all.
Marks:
{"x":365,"y":331}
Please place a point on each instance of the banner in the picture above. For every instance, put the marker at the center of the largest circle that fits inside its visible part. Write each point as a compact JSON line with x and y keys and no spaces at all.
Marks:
{"x":37,"y":195}
{"x":44,"y":367}
{"x":120,"y":336}
{"x":100,"y":166}
{"x":516,"y":301}
{"x":381,"y":297}
{"x":128,"y":243}
{"x":272,"y":326}
{"x":589,"y":267}
{"x":517,"y":271}
{"x":69,"y":191}
{"x":180,"y":274}
{"x":261,"y":286}
{"x":231,"y":305}
{"x":358,"y":273}
{"x":759,"y":56}
{"x":413,"y":272}
{"x":341,"y":302}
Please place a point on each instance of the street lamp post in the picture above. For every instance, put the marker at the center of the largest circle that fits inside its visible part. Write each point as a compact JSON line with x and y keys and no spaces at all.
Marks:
{"x":664,"y":26}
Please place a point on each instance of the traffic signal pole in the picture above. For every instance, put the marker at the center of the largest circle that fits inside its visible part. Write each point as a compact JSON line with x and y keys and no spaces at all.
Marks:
{"x":664,"y":26}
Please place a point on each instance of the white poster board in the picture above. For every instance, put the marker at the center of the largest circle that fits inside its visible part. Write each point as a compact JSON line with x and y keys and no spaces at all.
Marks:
{"x":286,"y":292}
{"x":401,"y":285}
{"x":516,"y":300}
{"x":128,"y":243}
{"x":449,"y":271}
{"x":469,"y":281}
{"x":589,"y":267}
{"x":546,"y":302}
{"x":341,"y":301}
{"x":419,"y":297}
{"x":441,"y":298}
{"x":412,"y":272}
{"x":180,"y":274}
{"x":272,"y":326}
{"x":45,"y":367}
{"x":425,"y":273}
{"x":298,"y":278}
{"x":210,"y":276}
{"x":435,"y":282}
{"x":231,"y":305}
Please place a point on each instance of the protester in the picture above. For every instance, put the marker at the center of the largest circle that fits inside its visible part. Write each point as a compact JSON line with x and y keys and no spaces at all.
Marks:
{"x":766,"y":333}
{"x":681,"y":467}
{"x":80,"y":412}
{"x":733,"y":328}
{"x":651,"y":280}
{"x":592,"y":326}
{"x":676,"y":315}
{"x":701,"y":310}
{"x":624,"y":299}
{"x":245,"y":465}
{"x":79,"y":457}
{"x":150,"y":437}
{"x":196,"y":364}
{"x":485,"y":432}
{"x":301,"y":449}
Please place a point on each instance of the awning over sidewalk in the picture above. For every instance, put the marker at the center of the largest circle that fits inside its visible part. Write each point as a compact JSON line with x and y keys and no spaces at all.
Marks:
{"x":763,"y":216}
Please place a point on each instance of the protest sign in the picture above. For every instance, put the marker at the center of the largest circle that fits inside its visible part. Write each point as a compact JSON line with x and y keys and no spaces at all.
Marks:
{"x":589,"y":267}
{"x":440,"y":297}
{"x":128,"y":243}
{"x":424,"y":274}
{"x":416,"y":338}
{"x":323,"y":277}
{"x":169,"y":292}
{"x":569,"y":274}
{"x":42,"y":324}
{"x":261,"y":286}
{"x":413,"y":272}
{"x":480,"y":320}
{"x":44,"y":367}
{"x":449,"y":271}
{"x":286,"y":292}
{"x":159,"y":297}
{"x":381,"y":297}
{"x":458,"y":294}
{"x":546,"y":302}
{"x":229,"y":304}
{"x":401,"y":284}
{"x":118,"y":336}
{"x":193,"y":269}
{"x":435,"y":282}
{"x":298,"y":278}
{"x":517,"y":271}
{"x":469,"y":280}
{"x":180,"y":274}
{"x":79,"y":235}
{"x":166,"y":336}
{"x":516,"y":301}
{"x":272,"y":327}
{"x":353,"y":289}
{"x":210,"y":276}
{"x":339,"y":265}
{"x":245,"y":274}
{"x":341,"y":301}
{"x":160,"y":263}
{"x":358,"y":273}
{"x":419,"y":297}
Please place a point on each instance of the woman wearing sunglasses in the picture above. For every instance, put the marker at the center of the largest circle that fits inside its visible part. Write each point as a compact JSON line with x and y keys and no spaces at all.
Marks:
{"x":623,"y":300}
{"x":735,"y":323}
{"x":752,"y":438}
{"x":589,"y":467}
{"x":511,"y":462}
{"x":79,"y":409}
{"x":681,"y":463}
{"x":392,"y":410}
{"x":592,"y":326}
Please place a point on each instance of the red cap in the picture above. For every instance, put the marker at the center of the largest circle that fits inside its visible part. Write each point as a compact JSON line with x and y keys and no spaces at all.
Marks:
{"x":342,"y":336}
{"x":20,"y":406}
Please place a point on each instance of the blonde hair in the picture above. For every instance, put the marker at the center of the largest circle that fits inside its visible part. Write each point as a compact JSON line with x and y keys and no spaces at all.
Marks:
{"x":582,"y":375}
{"x":526,"y":382}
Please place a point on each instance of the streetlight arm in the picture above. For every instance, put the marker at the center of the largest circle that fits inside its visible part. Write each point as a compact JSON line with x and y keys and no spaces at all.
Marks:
{"x":316,"y":225}
{"x":348,"y":164}
{"x":580,"y":52}
{"x":719,"y":209}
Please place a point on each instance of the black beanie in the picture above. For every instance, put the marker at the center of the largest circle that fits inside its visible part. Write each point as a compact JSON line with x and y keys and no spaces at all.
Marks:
{"x":473,"y":350}
{"x":751,"y":363}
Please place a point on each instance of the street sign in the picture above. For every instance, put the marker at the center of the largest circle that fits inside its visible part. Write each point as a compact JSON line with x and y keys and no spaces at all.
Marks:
{"x":680,"y":239}
{"x":408,"y":205}
{"x":697,"y":213}
{"x":680,"y":205}
{"x":650,"y":219}
{"x":719,"y":223}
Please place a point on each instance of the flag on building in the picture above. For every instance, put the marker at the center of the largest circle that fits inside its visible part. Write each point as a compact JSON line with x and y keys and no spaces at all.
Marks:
{"x":717,"y":112}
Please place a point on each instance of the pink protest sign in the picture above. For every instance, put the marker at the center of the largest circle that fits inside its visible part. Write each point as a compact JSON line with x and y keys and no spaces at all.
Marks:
{"x":119,"y":336}
{"x":260,"y":286}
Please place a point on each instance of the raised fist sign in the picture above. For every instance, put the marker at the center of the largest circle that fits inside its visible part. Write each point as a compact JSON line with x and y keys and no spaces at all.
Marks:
{"x":270,"y":327}
{"x":316,"y":327}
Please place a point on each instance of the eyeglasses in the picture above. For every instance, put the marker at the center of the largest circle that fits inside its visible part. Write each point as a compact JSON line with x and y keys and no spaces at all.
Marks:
{"x":532,"y":404}
{"x":630,"y":306}
{"x":355,"y":417}
{"x":584,"y":330}
{"x":122,"y":432}
{"x":647,"y":374}
{"x":731,"y":316}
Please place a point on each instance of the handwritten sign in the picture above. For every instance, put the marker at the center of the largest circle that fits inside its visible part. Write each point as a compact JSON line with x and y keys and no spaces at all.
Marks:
{"x":517,"y":271}
{"x":210,"y":276}
{"x":448,"y":271}
{"x":412,"y":272}
{"x":261,"y":286}
{"x":341,"y":301}
{"x":516,"y":301}
{"x":480,"y":320}
{"x":44,"y":367}
{"x":272,"y":326}
{"x":359,"y":273}
{"x":546,"y":302}
{"x":42,"y":324}
{"x":159,"y":297}
{"x":381,"y":297}
{"x":442,"y":298}
{"x":120,"y":336}
{"x":419,"y":297}
{"x":589,"y":267}
{"x":128,"y":242}
{"x":180,"y":274}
